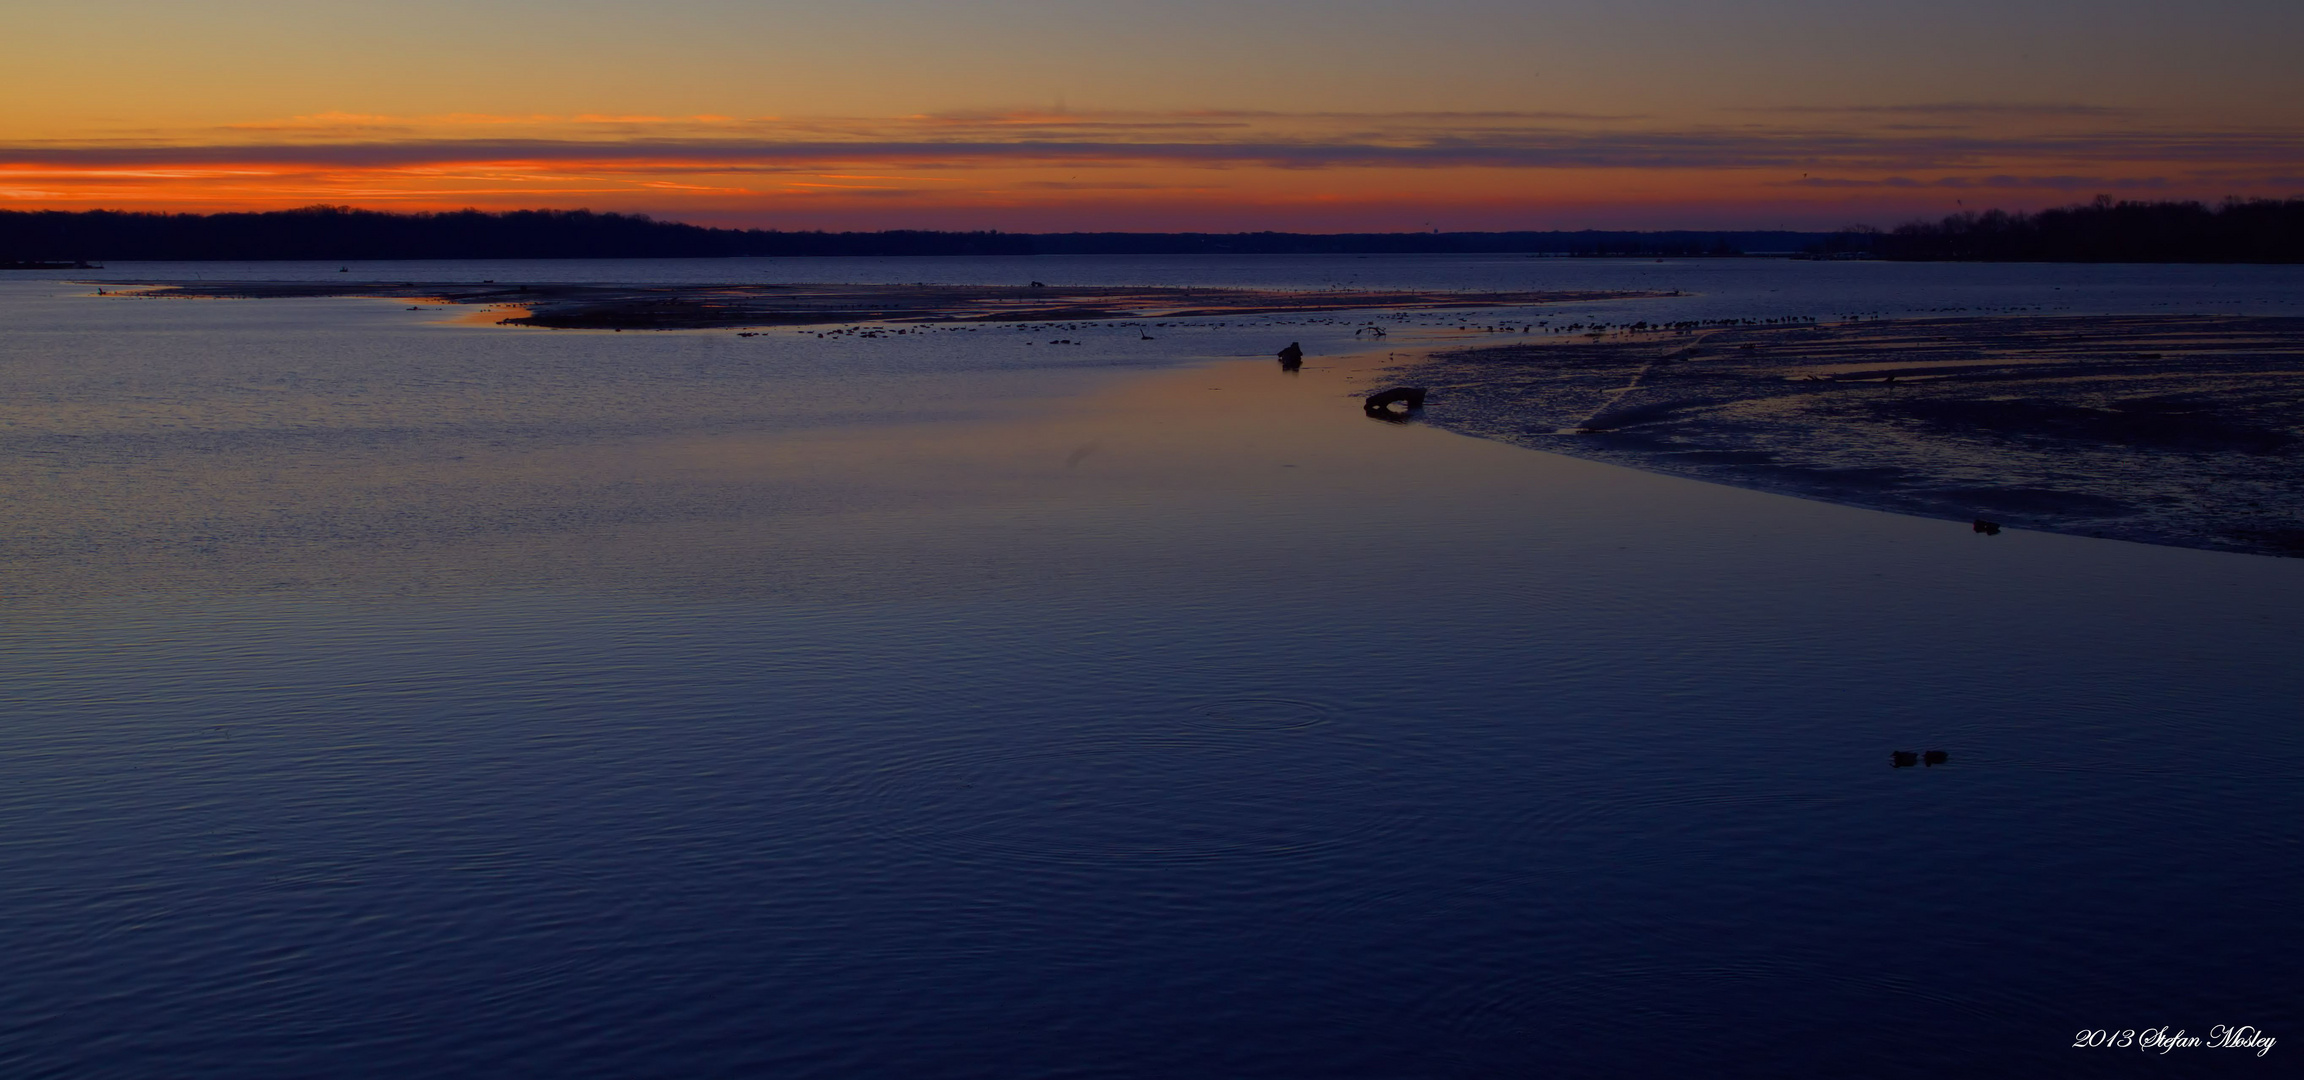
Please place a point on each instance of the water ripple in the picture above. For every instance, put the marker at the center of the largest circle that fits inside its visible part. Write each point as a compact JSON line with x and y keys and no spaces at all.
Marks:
{"x":1261,"y":791}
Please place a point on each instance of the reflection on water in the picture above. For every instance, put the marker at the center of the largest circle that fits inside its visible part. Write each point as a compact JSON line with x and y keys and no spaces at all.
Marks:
{"x":395,"y":700}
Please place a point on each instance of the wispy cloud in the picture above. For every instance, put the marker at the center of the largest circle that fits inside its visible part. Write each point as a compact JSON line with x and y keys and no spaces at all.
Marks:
{"x":1958,"y":109}
{"x":1995,"y":182}
{"x":1502,"y":149}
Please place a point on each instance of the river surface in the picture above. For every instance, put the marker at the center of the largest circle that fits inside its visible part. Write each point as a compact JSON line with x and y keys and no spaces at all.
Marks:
{"x":388,"y":695}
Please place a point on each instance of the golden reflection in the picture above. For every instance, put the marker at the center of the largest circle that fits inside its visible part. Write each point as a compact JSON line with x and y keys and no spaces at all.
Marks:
{"x":785,"y":503}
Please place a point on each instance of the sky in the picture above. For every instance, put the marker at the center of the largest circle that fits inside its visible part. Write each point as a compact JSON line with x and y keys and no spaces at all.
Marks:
{"x":1062,"y":115}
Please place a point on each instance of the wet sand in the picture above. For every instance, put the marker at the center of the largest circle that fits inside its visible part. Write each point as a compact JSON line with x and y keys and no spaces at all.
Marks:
{"x":702,"y":307}
{"x":2182,"y":430}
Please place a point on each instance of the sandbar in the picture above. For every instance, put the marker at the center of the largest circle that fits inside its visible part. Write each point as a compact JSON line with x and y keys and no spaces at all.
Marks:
{"x":2180,"y":430}
{"x":587,"y":306}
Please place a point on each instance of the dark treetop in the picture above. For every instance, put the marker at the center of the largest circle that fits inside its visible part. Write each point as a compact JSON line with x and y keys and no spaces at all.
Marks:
{"x":2260,"y":231}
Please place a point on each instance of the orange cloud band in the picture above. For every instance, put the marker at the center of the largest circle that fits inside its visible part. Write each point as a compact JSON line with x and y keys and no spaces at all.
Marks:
{"x":1231,"y":170}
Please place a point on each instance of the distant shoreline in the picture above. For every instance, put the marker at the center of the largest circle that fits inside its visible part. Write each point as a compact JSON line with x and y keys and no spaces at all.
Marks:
{"x":343,"y":233}
{"x":2238,"y":231}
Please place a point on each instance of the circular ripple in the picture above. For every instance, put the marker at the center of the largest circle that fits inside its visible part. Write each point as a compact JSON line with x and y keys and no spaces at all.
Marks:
{"x":1259,"y":714}
{"x":1137,"y":801}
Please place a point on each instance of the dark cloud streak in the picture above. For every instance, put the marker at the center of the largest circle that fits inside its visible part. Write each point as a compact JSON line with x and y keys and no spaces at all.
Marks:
{"x":1585,"y":150}
{"x":1954,"y":108}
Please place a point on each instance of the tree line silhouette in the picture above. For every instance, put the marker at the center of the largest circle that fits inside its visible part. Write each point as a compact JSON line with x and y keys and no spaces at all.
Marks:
{"x":2260,"y":230}
{"x":2236,"y":231}
{"x":341,"y":233}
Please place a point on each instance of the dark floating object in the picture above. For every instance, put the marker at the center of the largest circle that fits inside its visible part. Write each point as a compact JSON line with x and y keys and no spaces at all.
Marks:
{"x":1902,"y":759}
{"x":1988,"y":528}
{"x":343,"y":269}
{"x":1380,"y":404}
{"x":1935,"y":757}
{"x":1292,"y":357}
{"x":1039,"y":285}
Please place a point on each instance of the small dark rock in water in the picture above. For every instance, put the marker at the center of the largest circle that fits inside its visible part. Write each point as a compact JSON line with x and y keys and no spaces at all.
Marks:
{"x":1902,"y":759}
{"x":1411,"y":396}
{"x":1988,"y":528}
{"x":1935,"y":757}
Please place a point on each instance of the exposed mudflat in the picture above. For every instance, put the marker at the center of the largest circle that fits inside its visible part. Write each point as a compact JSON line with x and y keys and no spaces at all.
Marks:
{"x":2183,"y":430}
{"x":699,"y":307}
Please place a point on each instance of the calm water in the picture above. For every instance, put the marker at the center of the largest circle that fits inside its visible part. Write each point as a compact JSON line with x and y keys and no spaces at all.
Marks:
{"x":388,"y":697}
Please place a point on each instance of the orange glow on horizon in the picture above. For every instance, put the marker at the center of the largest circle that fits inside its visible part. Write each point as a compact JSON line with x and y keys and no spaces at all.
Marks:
{"x":1202,"y":170}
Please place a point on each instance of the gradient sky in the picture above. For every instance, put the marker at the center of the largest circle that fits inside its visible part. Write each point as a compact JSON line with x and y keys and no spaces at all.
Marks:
{"x":1179,"y":114}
